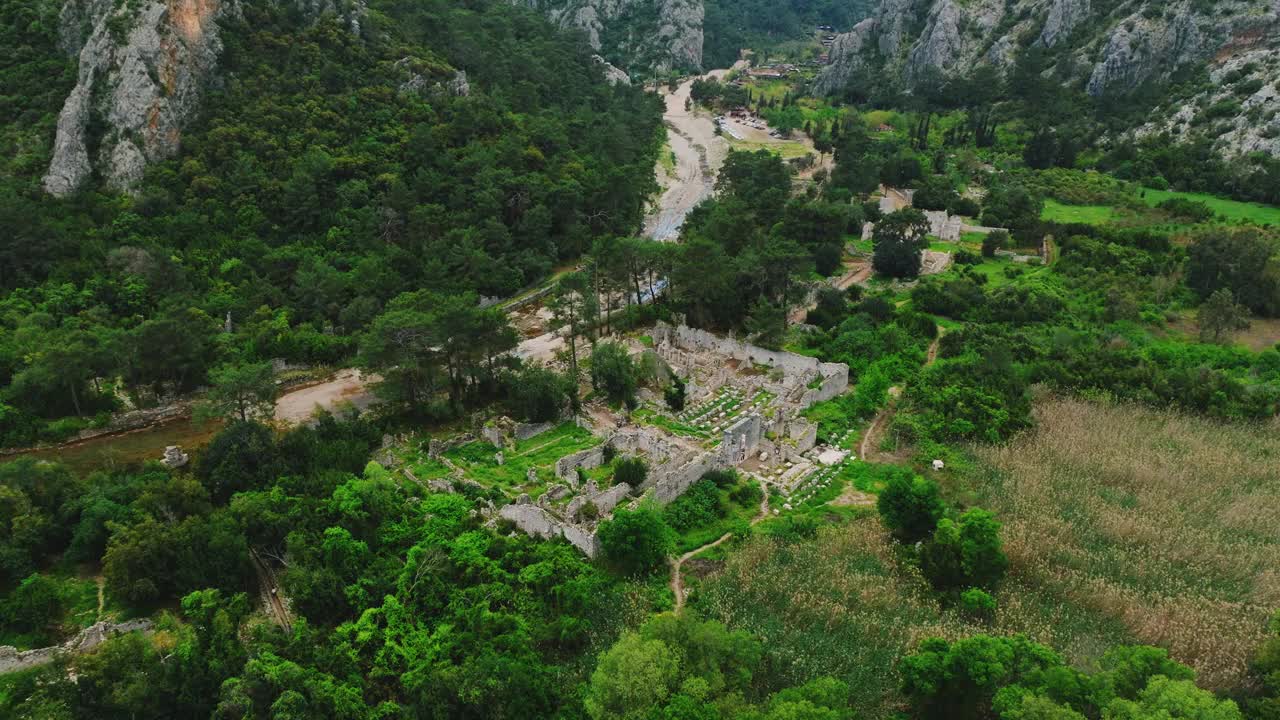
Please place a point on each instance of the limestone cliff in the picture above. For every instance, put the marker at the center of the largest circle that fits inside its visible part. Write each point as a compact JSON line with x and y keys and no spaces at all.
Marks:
{"x":143,"y":69}
{"x":1114,"y":48}
{"x":640,"y":34}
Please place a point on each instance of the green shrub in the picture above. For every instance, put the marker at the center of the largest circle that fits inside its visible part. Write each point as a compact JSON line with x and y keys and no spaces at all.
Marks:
{"x":910,"y":506}
{"x":699,"y":505}
{"x":636,"y":541}
{"x":630,"y":470}
{"x":978,"y":604}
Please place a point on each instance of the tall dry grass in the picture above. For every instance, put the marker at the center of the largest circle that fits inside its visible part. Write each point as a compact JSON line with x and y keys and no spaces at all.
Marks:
{"x":841,"y":605}
{"x":1163,"y":525}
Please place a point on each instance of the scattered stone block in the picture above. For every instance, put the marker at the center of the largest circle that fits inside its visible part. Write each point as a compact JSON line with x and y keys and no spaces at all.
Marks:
{"x":174,"y":457}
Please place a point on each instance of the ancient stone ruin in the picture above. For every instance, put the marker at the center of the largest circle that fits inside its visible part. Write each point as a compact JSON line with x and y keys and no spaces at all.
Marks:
{"x":743,"y":412}
{"x":174,"y":457}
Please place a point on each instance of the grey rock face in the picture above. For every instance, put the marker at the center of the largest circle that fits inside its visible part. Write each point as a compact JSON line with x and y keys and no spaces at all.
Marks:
{"x":893,"y":20}
{"x":848,"y":56}
{"x":149,"y":79}
{"x":876,"y":40}
{"x":459,"y":86}
{"x":1064,"y":16}
{"x":143,"y":68}
{"x":1150,"y":41}
{"x":681,"y":31}
{"x":1140,"y":49}
{"x":612,"y":74}
{"x":677,"y":42}
{"x":942,"y":44}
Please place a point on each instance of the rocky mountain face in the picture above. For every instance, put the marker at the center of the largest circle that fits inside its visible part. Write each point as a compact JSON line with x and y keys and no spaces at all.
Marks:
{"x":655,"y":34}
{"x":1113,"y":46}
{"x":143,"y":68}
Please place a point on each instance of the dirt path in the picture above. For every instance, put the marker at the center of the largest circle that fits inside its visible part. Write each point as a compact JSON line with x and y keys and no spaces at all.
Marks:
{"x":270,"y":591}
{"x":856,"y":272}
{"x":677,"y":579}
{"x":346,"y":386}
{"x":867,"y":449}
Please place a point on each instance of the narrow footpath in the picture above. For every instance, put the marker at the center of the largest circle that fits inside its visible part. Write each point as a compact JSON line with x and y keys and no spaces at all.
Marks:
{"x":677,"y":579}
{"x":868,"y":448}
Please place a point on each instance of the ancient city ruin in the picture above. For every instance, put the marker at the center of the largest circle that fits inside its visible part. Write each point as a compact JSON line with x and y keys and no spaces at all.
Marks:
{"x":743,"y":412}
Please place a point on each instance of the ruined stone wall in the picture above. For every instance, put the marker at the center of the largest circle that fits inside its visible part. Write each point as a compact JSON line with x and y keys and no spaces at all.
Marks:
{"x":537,"y":522}
{"x":803,"y":433}
{"x":835,"y":381}
{"x":524,"y":431}
{"x":567,"y":466}
{"x":943,"y":225}
{"x":13,"y":660}
{"x":691,"y":339}
{"x":671,"y":481}
{"x":741,"y":439}
{"x":606,"y":501}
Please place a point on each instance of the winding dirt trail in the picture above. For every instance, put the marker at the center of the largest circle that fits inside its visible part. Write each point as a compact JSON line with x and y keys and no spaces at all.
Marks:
{"x":867,"y":448}
{"x":270,"y":590}
{"x":677,"y":579}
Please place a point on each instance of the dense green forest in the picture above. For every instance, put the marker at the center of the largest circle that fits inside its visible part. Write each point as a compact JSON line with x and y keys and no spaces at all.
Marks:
{"x":1057,"y":124}
{"x":731,"y":26}
{"x":312,"y":190}
{"x":324,"y":211}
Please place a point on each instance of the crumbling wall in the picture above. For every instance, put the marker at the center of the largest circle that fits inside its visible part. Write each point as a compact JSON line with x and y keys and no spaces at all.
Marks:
{"x":835,"y":381}
{"x":584,"y":540}
{"x":692,"y":339}
{"x":803,"y":433}
{"x":537,"y":522}
{"x":673,"y":480}
{"x":13,"y":660}
{"x":436,"y":448}
{"x":567,"y":466}
{"x":943,"y":225}
{"x":524,"y":431}
{"x":741,"y":439}
{"x":606,"y":501}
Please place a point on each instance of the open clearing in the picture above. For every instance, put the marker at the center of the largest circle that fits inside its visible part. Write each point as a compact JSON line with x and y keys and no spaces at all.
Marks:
{"x":1055,"y":211}
{"x":843,"y":604}
{"x":1232,"y":210}
{"x":1165,"y":524}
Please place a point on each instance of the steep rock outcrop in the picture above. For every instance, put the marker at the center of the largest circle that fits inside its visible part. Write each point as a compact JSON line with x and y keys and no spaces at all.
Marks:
{"x":1064,"y":17}
{"x":143,"y":69}
{"x":942,"y":43}
{"x":875,"y":41}
{"x":660,"y":34}
{"x":1116,"y":51}
{"x":850,"y":55}
{"x":1141,"y":49}
{"x":144,"y":82}
{"x":614,"y":75}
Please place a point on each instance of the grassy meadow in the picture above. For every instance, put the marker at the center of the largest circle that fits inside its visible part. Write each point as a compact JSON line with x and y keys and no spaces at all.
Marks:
{"x":842,"y":604}
{"x":1231,"y":210}
{"x":1055,"y":211}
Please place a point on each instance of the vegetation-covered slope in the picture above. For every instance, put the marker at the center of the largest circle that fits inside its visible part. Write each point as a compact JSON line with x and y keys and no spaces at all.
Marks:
{"x":327,"y":173}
